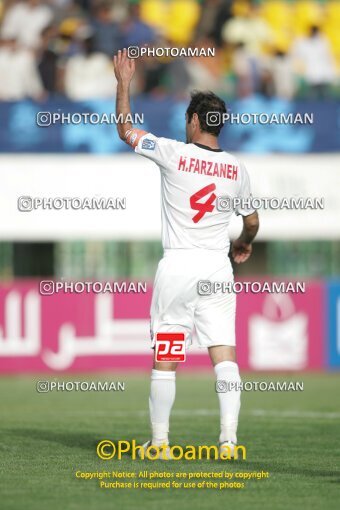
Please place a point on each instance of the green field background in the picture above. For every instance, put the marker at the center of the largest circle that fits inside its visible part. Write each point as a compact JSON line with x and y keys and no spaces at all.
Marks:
{"x":46,"y":437}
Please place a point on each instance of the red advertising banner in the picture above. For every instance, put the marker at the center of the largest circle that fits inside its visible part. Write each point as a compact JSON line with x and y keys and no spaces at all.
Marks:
{"x":282,"y":331}
{"x":91,"y":331}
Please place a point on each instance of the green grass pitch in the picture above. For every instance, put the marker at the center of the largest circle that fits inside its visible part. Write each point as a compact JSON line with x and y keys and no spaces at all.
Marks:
{"x":46,"y":438}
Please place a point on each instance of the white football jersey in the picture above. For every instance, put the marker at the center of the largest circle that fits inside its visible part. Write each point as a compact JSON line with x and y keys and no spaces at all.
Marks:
{"x":195,"y":183}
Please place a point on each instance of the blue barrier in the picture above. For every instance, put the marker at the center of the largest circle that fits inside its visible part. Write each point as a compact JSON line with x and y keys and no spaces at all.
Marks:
{"x":333,"y":311}
{"x":19,"y":131}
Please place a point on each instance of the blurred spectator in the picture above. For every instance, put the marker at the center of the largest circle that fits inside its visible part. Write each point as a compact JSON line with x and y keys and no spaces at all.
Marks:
{"x":181,"y":20}
{"x":19,"y":75}
{"x":107,"y":35}
{"x":248,"y":28}
{"x":214,"y":15}
{"x":63,"y":5}
{"x":266,"y":85}
{"x":48,"y":60}
{"x":67,"y":42}
{"x":84,"y":4}
{"x":134,"y":31}
{"x":89,"y":75}
{"x":69,"y":11}
{"x":243,"y":33}
{"x":205,"y":70}
{"x":245,"y":67}
{"x":178,"y":78}
{"x":152,"y":73}
{"x":24,"y":22}
{"x":315,"y":61}
{"x":280,"y":65}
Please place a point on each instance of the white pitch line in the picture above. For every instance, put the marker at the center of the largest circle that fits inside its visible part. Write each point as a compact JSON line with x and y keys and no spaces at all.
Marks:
{"x":296,"y":414}
{"x":317,"y":415}
{"x":257,"y":413}
{"x":252,"y":412}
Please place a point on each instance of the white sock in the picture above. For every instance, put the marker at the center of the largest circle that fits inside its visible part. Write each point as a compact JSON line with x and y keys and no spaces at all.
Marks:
{"x":162,"y":397}
{"x":230,"y":401}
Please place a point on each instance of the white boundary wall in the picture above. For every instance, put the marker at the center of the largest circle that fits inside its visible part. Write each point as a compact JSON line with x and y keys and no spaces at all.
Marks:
{"x":137,"y":179}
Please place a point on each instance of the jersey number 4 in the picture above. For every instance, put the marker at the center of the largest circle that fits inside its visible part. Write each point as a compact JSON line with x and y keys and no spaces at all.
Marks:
{"x":203,"y":207}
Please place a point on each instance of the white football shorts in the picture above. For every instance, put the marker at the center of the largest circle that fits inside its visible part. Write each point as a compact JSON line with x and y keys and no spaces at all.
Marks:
{"x":180,"y":304}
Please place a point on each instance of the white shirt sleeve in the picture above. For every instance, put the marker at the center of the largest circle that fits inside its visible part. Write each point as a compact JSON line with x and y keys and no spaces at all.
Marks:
{"x":245,"y":208}
{"x":159,"y":150}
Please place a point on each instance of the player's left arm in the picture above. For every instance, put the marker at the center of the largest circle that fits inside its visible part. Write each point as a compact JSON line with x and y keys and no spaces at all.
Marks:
{"x":242,"y":247}
{"x":124,"y":68}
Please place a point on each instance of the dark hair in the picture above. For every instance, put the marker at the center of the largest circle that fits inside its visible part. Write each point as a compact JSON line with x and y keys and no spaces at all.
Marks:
{"x":202,"y":103}
{"x":314,"y":30}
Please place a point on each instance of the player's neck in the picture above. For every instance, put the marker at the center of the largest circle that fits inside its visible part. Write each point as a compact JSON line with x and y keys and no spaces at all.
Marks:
{"x":207,"y":140}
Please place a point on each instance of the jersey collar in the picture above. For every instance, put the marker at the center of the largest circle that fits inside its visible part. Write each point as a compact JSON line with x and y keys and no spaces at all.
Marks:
{"x":201,"y":146}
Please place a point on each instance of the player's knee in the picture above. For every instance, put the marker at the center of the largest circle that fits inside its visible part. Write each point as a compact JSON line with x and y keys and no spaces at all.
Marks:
{"x":219,"y":353}
{"x":165,"y":365}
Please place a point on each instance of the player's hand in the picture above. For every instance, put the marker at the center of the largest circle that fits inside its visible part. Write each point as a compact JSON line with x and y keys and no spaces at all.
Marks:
{"x":240,"y":251}
{"x":124,"y":67}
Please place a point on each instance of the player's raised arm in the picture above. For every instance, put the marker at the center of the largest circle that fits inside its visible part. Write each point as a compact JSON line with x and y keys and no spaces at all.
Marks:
{"x":242,"y":247}
{"x":124,"y":68}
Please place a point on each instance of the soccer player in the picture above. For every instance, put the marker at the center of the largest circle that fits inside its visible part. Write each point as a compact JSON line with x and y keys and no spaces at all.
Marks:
{"x":196,"y":245}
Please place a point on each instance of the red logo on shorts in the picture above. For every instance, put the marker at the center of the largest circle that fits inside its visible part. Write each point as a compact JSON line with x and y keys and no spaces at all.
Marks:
{"x":170,"y":347}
